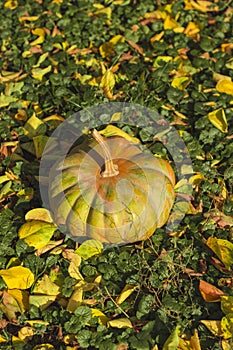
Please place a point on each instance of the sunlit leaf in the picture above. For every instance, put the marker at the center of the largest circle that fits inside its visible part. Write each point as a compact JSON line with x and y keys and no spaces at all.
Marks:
{"x":14,"y":301}
{"x":102,"y":318}
{"x":40,"y":214}
{"x":41,"y":35}
{"x":75,"y":300}
{"x":214,"y":326}
{"x":2,"y":339}
{"x":38,"y":73}
{"x":227,"y":326}
{"x":200,"y":5}
{"x":125,"y":293}
{"x":39,"y":142}
{"x":25,"y":333}
{"x":46,"y":286}
{"x":180,"y":82}
{"x":44,"y":347}
{"x":89,"y":248}
{"x":120,"y":323}
{"x":223,"y":249}
{"x":107,"y":83}
{"x":225,"y":86}
{"x":218,"y":119}
{"x":11,"y":4}
{"x":112,"y":130}
{"x":209,"y":292}
{"x":172,"y":341}
{"x":42,"y":301}
{"x":17,"y":277}
{"x":227,"y":304}
{"x":34,"y":126}
{"x":6,"y":100}
{"x":37,"y":233}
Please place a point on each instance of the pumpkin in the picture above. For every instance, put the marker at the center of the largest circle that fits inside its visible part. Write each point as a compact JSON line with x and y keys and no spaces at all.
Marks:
{"x":110,"y":190}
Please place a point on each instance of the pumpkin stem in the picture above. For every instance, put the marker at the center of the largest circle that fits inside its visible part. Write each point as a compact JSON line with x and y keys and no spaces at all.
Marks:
{"x":110,"y":169}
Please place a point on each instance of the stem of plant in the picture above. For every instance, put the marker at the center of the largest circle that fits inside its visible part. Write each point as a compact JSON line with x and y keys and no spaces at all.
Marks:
{"x":110,"y":169}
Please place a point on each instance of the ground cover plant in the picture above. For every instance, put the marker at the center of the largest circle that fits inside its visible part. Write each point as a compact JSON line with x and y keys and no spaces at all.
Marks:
{"x":172,"y":291}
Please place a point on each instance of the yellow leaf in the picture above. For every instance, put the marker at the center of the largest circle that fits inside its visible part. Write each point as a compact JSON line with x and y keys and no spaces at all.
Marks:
{"x":107,"y":49}
{"x":225,"y":85}
{"x":28,"y":18}
{"x":34,"y":126}
{"x":107,"y":83}
{"x":120,"y":323}
{"x":38,"y":73}
{"x":106,"y":11}
{"x":218,"y":119}
{"x":74,"y":271}
{"x":112,"y":130}
{"x":39,"y":144}
{"x":44,"y":347}
{"x":172,"y":341}
{"x":46,"y":286}
{"x":89,"y":248}
{"x":25,"y":333}
{"x":11,"y":4}
{"x":40,"y":214}
{"x":7,"y":76}
{"x":180,"y":82}
{"x":34,"y":322}
{"x":6,"y":100}
{"x":191,"y":30}
{"x":157,"y":37}
{"x":125,"y":293}
{"x":102,"y":318}
{"x":226,"y":344}
{"x":17,"y":277}
{"x":2,"y":340}
{"x":37,"y":233}
{"x":14,"y":301}
{"x":227,"y":326}
{"x":200,"y":5}
{"x":75,"y":300}
{"x":41,"y":35}
{"x":213,"y":326}
{"x":41,"y":301}
{"x":194,"y":341}
{"x":223,"y":249}
{"x":41,"y":59}
{"x":227,"y":304}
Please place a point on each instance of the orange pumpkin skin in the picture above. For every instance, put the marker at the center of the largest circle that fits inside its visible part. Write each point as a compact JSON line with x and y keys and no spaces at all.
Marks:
{"x":123,"y":208}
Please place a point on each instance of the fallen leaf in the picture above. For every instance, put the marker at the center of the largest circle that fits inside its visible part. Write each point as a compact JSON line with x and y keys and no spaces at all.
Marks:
{"x":40,"y":214}
{"x":218,"y":119}
{"x":38,"y":73}
{"x":120,"y":323}
{"x":125,"y":293}
{"x":227,"y":326}
{"x":37,"y":233}
{"x":227,"y":304}
{"x":172,"y":341}
{"x":225,"y":86}
{"x":223,"y":249}
{"x":46,"y":286}
{"x":112,"y":130}
{"x":102,"y":318}
{"x":11,"y":4}
{"x":107,"y":83}
{"x":209,"y":292}
{"x":17,"y":277}
{"x":214,"y":326}
{"x":41,"y":35}
{"x":89,"y":248}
